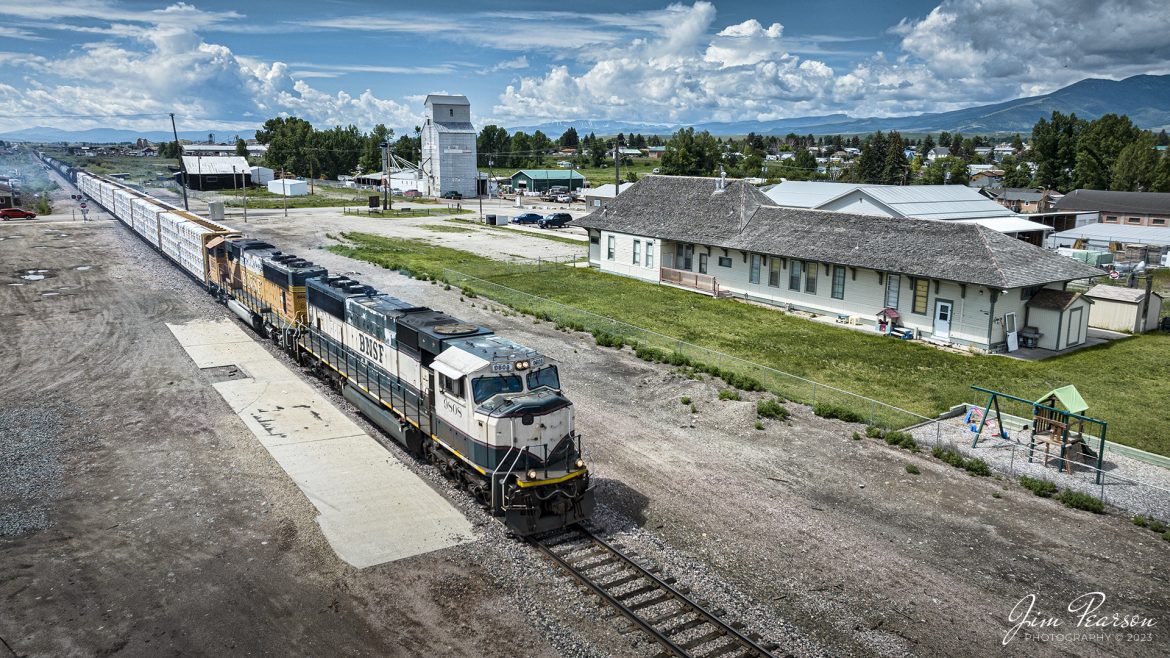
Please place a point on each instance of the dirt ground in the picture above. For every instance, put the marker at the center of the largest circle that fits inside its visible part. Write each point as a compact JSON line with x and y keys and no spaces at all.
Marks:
{"x":170,"y":530}
{"x":831,"y":535}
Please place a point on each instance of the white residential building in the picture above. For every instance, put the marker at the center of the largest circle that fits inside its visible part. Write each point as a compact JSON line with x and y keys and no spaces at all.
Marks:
{"x":950,"y":282}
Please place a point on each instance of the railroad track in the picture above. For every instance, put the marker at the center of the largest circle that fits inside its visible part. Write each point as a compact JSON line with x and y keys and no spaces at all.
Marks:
{"x":683,"y":626}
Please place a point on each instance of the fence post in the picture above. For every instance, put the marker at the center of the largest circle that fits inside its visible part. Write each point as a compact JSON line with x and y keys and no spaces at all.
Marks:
{"x":871,"y":411}
{"x":814,"y":394}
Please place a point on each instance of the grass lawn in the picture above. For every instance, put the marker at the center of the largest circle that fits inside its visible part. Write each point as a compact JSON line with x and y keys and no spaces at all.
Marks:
{"x":1125,"y":382}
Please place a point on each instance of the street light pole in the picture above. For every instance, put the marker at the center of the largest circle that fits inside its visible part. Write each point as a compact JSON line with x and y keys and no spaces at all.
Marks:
{"x":182,"y":169}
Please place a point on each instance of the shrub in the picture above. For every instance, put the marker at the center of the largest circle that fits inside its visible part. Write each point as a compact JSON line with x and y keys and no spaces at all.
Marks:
{"x":685,"y":400}
{"x":727,"y":394}
{"x":1157,"y":526}
{"x":446,"y":286}
{"x":694,"y":409}
{"x":912,"y":469}
{"x":977,"y":466}
{"x":874,"y":432}
{"x":647,"y":353}
{"x":856,"y":436}
{"x":829,"y":410}
{"x":469,"y":292}
{"x":1039,"y":486}
{"x":606,"y":339}
{"x":1080,"y":500}
{"x":901,"y":439}
{"x":1166,"y":536}
{"x":1140,"y":521}
{"x":949,"y":456}
{"x":772,"y":409}
{"x":995,"y":494}
{"x":759,"y":425}
{"x":736,"y":380}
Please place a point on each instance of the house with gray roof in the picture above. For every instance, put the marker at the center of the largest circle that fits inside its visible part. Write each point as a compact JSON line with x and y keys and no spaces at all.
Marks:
{"x":950,"y":282}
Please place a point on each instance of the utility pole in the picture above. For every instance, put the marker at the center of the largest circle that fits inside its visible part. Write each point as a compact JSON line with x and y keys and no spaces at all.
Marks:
{"x":284,"y":187}
{"x":617,"y":167}
{"x":180,"y":156}
{"x":385,"y":175}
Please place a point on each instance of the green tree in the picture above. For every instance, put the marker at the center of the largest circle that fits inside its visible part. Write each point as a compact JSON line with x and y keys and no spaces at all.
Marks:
{"x":1098,"y":146}
{"x":1136,"y":166}
{"x":569,"y":139}
{"x":170,"y":150}
{"x":870,"y":166}
{"x":521,"y":150}
{"x":691,"y":154}
{"x":288,"y":140}
{"x":927,"y":144}
{"x":1163,"y":139}
{"x":944,"y":139}
{"x":1161,"y":175}
{"x":241,"y":147}
{"x":493,"y":143}
{"x":370,"y":158}
{"x":895,"y":166}
{"x":1054,"y":149}
{"x":1016,"y":172}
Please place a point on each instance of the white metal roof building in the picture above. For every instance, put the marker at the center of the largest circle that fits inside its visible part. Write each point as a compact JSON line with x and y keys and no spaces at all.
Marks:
{"x":938,"y":202}
{"x":1104,"y":234}
{"x":807,"y":194}
{"x":216,"y":172}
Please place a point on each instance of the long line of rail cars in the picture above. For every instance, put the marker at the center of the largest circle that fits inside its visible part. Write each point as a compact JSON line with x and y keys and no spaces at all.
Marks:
{"x":486,"y":410}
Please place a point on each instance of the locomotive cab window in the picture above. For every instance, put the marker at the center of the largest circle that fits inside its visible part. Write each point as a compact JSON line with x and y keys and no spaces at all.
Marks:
{"x":483,"y":388}
{"x":544,"y":377}
{"x":452,"y":387}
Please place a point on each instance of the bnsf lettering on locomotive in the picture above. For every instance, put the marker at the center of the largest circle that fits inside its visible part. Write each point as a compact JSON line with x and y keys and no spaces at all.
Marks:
{"x":370,"y":348}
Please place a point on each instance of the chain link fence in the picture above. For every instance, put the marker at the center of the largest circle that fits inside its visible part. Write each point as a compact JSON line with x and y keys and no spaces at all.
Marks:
{"x":1126,"y":483}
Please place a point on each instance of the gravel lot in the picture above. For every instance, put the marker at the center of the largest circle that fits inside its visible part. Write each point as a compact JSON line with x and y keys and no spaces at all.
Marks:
{"x":823,"y":543}
{"x":159,"y":508}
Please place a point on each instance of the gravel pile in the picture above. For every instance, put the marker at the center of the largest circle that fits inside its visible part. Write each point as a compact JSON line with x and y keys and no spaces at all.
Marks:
{"x":31,"y":448}
{"x":1129,"y":484}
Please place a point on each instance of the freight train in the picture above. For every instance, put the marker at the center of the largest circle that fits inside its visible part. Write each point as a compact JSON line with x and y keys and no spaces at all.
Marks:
{"x":487,"y":411}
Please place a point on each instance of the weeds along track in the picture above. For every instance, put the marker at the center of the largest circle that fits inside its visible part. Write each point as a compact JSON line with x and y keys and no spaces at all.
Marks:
{"x":682,"y":626}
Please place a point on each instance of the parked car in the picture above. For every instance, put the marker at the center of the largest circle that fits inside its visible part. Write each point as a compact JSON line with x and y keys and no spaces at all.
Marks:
{"x":453,"y":195}
{"x":412,"y":194}
{"x":528,"y":218}
{"x":555,"y":220}
{"x":564,"y":198}
{"x":16,"y":213}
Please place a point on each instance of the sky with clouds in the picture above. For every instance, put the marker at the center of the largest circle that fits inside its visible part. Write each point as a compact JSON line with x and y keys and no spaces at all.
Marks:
{"x":78,"y":64}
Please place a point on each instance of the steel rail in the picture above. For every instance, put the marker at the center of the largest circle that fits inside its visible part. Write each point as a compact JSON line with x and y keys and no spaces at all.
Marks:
{"x":746,"y":645}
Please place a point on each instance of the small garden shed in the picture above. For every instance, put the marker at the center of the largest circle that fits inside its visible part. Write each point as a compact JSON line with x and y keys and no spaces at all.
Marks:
{"x":1061,"y":317}
{"x":1124,"y":309}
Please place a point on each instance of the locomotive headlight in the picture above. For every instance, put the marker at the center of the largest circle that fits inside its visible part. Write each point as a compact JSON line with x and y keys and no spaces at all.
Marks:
{"x":580,"y":463}
{"x":521,"y":365}
{"x":531,"y":474}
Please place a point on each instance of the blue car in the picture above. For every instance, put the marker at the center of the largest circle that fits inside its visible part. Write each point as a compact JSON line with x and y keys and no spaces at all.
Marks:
{"x":527,"y":218}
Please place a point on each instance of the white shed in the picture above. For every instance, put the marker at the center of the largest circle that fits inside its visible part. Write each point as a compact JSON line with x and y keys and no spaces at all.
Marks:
{"x":1124,"y":309}
{"x":261,"y":175}
{"x":288,"y":187}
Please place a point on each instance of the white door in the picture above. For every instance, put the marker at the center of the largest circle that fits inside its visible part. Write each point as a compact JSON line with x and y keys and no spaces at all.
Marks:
{"x":942,"y":321}
{"x":1076,"y":327}
{"x":1009,"y":329}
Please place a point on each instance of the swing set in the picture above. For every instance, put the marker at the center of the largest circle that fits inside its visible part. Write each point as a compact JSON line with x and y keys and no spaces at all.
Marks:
{"x":1057,"y":420}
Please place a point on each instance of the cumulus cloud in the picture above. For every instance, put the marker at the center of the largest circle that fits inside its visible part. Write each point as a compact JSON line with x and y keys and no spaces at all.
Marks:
{"x":156,"y":62}
{"x":1036,"y":46}
{"x":684,"y":73}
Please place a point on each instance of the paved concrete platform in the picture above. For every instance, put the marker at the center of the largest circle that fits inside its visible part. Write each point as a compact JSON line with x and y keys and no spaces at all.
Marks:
{"x":372,"y":508}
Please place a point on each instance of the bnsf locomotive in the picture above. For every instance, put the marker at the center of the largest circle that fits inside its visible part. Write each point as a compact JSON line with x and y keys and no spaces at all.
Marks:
{"x":486,"y":410}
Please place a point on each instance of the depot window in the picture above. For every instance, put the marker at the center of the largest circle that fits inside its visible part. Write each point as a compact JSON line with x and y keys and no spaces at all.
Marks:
{"x":544,"y":377}
{"x":649,"y":254}
{"x":610,"y":248}
{"x":921,"y":293}
{"x":484,"y":388}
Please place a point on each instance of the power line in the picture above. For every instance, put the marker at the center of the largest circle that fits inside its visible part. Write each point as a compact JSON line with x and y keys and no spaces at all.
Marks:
{"x":88,"y":116}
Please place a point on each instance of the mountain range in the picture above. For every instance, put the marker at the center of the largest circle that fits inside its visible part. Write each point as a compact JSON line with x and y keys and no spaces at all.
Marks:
{"x":1144,"y":98}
